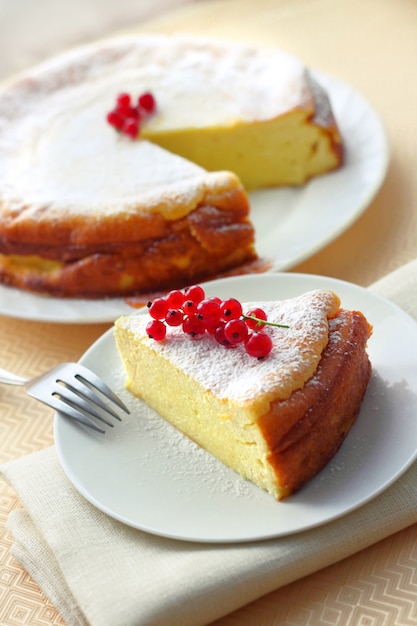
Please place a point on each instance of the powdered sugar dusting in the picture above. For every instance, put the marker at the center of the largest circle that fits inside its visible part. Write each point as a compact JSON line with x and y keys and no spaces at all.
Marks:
{"x":63,"y":155}
{"x":231,"y":373}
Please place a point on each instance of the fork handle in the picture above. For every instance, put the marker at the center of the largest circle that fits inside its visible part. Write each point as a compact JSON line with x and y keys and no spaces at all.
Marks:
{"x":11,"y":379}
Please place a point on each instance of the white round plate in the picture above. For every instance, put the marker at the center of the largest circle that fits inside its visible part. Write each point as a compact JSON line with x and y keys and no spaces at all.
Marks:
{"x":146,"y":474}
{"x":290,"y":223}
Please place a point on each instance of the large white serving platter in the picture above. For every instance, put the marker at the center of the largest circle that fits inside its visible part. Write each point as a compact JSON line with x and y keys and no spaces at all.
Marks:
{"x":146,"y":474}
{"x":290,"y":223}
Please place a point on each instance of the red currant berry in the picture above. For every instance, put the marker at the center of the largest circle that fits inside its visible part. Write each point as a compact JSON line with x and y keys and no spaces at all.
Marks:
{"x":123,"y":101}
{"x":131,"y":128}
{"x":209,"y":311}
{"x":220,"y":337}
{"x":158,"y":308}
{"x":115,"y":119}
{"x":193,"y":326}
{"x":175,"y":299}
{"x":132,"y":113}
{"x":189,"y":307}
{"x":258,"y":345}
{"x":253,"y":323}
{"x":156,"y":330}
{"x":230,"y":309}
{"x":147,"y":102}
{"x":195,"y":293}
{"x":174,"y":317}
{"x":211,"y":327}
{"x":236,"y":331}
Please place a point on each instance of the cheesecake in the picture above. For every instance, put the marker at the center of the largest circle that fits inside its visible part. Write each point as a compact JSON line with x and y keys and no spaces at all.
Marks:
{"x":88,"y":212}
{"x":277,"y":420}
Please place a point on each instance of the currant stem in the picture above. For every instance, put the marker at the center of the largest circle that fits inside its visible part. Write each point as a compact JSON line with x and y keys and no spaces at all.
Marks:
{"x":261,"y":322}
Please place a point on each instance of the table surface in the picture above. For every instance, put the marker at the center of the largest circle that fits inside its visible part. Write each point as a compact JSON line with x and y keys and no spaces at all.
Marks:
{"x":372,"y":46}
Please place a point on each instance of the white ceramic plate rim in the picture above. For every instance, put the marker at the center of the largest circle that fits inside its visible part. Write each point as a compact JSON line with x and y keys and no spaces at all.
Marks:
{"x":290,"y":224}
{"x":150,"y":477}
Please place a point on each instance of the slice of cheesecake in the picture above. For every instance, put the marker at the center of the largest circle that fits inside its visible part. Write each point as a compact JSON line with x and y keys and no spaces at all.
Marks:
{"x":278,"y":420}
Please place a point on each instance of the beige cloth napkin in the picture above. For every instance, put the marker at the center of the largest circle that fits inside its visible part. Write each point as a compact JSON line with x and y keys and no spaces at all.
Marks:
{"x":97,"y":571}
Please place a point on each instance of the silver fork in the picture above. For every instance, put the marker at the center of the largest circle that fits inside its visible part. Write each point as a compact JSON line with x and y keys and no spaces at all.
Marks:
{"x":74,"y":390}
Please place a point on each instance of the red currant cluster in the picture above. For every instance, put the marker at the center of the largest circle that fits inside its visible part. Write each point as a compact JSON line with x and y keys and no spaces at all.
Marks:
{"x":223,"y":319}
{"x":126,"y":117}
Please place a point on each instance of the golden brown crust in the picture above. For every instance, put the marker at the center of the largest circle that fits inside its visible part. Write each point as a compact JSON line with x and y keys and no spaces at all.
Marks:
{"x":208,"y":241}
{"x":148,"y":216}
{"x":324,"y":119}
{"x":304,"y":432}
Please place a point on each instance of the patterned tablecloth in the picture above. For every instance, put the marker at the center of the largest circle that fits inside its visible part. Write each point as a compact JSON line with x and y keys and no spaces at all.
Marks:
{"x":371,"y":45}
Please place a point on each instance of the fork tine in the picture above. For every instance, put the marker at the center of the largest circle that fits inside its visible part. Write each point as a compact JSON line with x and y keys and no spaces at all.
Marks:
{"x":86,"y":375}
{"x":81,"y":391}
{"x":68,"y":410}
{"x":68,"y":396}
{"x":79,"y":417}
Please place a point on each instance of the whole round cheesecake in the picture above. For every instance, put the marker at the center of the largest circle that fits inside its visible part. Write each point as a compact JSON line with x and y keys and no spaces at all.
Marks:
{"x":86,"y":211}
